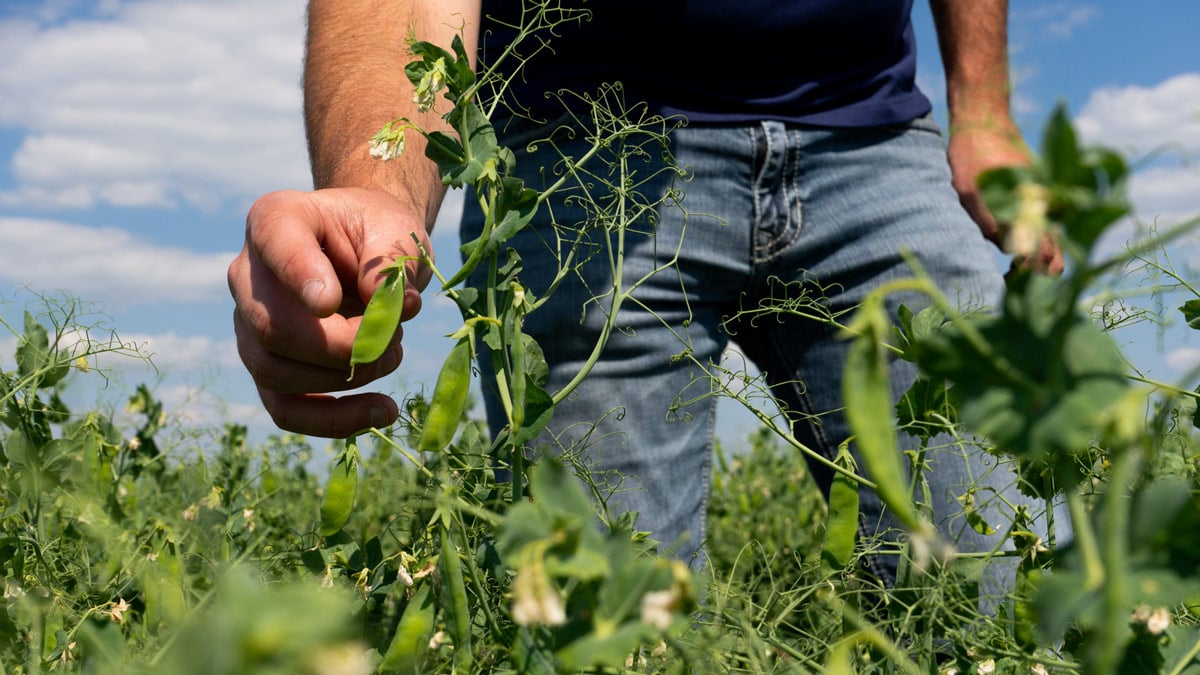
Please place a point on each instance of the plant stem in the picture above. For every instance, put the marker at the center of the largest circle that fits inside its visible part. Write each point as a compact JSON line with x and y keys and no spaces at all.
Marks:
{"x":1115,"y":607}
{"x":1085,"y":537}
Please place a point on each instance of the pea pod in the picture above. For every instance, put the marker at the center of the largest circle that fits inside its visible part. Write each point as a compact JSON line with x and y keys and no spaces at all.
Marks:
{"x":841,"y":525}
{"x":380,"y":319}
{"x":341,"y":488}
{"x":454,"y":601}
{"x":519,"y":383}
{"x":449,"y":399}
{"x":406,"y":652}
{"x":869,"y":411}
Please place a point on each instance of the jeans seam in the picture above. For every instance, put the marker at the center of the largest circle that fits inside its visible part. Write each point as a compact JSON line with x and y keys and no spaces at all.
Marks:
{"x":706,"y":472}
{"x":788,"y":186}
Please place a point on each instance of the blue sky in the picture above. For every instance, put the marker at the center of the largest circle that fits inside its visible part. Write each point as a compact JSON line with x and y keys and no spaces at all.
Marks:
{"x":134,"y":135}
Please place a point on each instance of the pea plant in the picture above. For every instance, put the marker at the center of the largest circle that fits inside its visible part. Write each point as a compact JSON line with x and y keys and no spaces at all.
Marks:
{"x":558,"y":593}
{"x":1042,"y":384}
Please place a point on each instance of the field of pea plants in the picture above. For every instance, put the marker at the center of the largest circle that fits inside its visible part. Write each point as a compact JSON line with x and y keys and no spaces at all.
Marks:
{"x":129,"y":547}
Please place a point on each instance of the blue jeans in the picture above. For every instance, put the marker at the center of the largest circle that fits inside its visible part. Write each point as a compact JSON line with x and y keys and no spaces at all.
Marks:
{"x":766,"y":213}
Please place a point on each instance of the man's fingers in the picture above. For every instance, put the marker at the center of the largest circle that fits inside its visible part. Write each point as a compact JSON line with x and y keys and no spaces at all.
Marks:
{"x":286,"y":233}
{"x":279,"y":373}
{"x":327,"y":416}
{"x":268,"y":314}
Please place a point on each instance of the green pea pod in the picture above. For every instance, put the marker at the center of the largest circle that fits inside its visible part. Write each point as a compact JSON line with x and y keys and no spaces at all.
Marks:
{"x":869,"y":411}
{"x":519,"y":382}
{"x":341,"y":488}
{"x":449,"y":399}
{"x":841,"y":525}
{"x":406,"y":653}
{"x":380,"y":319}
{"x":454,"y":602}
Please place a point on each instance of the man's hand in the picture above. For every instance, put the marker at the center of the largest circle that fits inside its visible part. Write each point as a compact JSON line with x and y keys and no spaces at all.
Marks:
{"x":310,"y":263}
{"x":975,"y":150}
{"x":973,"y":38}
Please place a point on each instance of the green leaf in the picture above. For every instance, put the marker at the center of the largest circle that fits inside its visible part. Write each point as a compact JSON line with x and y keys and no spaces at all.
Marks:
{"x":1085,"y":225}
{"x":460,"y":164}
{"x":1039,"y":385}
{"x":447,"y":153}
{"x":609,"y":650}
{"x":1177,"y":651}
{"x":1196,"y":414}
{"x":585,"y":564}
{"x":927,"y":407}
{"x":1060,"y":149}
{"x":515,"y":208}
{"x":998,"y":189}
{"x":539,"y":409}
{"x":462,"y":75}
{"x":1064,"y":598}
{"x":36,"y":356}
{"x":1191,"y":313}
{"x":103,"y":647}
{"x":558,"y":491}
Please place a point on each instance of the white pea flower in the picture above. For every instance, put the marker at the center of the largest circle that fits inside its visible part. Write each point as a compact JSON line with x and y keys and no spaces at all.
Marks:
{"x":68,"y":652}
{"x":213,"y":499}
{"x":403,"y":575}
{"x":535,"y":600}
{"x":436,"y":641}
{"x":986,"y":667}
{"x":432,"y":82}
{"x":1026,"y":231}
{"x":1156,"y":620}
{"x":1037,"y":669}
{"x":117,"y":610}
{"x":387,"y":144}
{"x":349,"y":658}
{"x":658,"y":608}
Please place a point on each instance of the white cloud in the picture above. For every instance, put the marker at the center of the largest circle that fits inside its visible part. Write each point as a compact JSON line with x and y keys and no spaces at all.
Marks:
{"x":153,"y":103}
{"x":1166,"y":194}
{"x":109,"y":265}
{"x":1158,"y":123}
{"x":1184,"y":359}
{"x":1142,"y":119}
{"x":1056,"y":20}
{"x":181,"y":354}
{"x":1061,"y":20}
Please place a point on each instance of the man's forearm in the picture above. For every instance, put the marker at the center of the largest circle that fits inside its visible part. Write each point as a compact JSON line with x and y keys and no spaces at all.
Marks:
{"x":354,"y":84}
{"x":973,"y":36}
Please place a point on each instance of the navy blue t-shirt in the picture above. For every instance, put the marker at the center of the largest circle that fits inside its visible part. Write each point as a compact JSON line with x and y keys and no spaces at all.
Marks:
{"x":841,"y":63}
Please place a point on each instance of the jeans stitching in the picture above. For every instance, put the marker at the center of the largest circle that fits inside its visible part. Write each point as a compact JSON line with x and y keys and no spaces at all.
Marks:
{"x":786,"y":155}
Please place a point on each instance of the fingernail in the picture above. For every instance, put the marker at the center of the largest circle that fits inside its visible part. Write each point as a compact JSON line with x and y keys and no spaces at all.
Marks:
{"x":311,"y":293}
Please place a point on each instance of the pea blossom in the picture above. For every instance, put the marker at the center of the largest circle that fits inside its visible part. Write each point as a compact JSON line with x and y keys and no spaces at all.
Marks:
{"x":432,"y":81}
{"x":388,"y":144}
{"x":535,"y":600}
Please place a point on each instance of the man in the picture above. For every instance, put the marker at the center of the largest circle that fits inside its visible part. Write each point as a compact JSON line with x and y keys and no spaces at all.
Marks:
{"x":812,"y":164}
